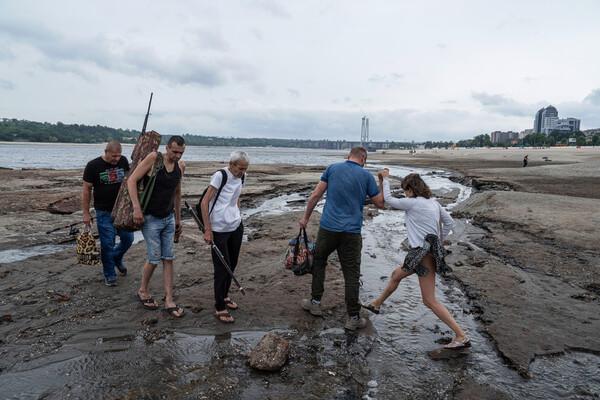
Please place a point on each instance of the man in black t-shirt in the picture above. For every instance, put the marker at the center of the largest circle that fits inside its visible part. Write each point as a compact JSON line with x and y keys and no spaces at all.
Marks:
{"x":104,"y":175}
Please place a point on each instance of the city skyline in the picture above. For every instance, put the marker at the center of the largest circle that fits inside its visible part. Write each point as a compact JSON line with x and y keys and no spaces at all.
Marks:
{"x":427,"y":71}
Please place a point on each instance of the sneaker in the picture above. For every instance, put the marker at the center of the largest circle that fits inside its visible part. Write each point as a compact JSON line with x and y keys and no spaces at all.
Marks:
{"x":110,"y":282}
{"x":312,"y":307}
{"x":122,"y":270}
{"x":354,"y":323}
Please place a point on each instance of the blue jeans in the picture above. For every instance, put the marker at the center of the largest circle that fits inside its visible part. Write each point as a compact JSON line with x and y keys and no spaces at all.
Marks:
{"x":159,"y":234}
{"x":110,"y":254}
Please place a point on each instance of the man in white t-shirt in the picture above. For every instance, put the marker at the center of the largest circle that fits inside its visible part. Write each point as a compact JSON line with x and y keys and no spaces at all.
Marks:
{"x":223,"y":226}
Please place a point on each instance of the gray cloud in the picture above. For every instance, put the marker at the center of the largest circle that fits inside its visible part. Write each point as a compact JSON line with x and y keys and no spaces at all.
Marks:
{"x":499,"y":104}
{"x":6,"y":85}
{"x":294,"y":92}
{"x":206,"y":39}
{"x":345,"y":100}
{"x":68,"y":67}
{"x":5,"y":53}
{"x":72,"y":56}
{"x":386,"y":80}
{"x":257,"y":33}
{"x":272,"y":7}
{"x":593,"y":98}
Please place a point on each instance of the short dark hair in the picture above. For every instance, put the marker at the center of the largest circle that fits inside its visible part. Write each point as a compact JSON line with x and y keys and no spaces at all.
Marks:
{"x":177,"y":139}
{"x":358,"y":151}
{"x":418,"y":186}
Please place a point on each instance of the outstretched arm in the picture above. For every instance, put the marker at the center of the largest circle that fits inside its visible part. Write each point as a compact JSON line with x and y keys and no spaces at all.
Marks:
{"x":314,"y":198}
{"x":400,"y":204}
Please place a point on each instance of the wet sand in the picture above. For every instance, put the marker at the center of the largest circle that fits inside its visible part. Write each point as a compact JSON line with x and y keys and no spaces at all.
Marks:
{"x":525,"y":253}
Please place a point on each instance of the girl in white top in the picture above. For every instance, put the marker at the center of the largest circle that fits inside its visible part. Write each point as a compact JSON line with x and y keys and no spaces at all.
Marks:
{"x":424,"y":216}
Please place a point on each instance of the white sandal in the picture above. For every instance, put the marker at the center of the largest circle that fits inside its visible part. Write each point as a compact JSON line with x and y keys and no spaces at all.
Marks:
{"x":458,"y":344}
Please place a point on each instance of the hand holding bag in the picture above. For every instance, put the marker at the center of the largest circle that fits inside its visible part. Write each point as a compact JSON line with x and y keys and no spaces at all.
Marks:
{"x":87,"y":252}
{"x":123,"y":210}
{"x":300,"y":254}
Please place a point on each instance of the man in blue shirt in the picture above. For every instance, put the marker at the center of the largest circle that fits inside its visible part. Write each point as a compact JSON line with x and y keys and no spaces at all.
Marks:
{"x":347,"y":185}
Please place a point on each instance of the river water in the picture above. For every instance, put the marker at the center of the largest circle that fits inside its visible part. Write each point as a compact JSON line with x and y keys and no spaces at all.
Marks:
{"x":68,"y":155}
{"x":394,"y":351}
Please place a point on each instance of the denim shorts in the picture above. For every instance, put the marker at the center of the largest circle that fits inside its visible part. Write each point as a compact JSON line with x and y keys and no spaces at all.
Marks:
{"x":158,"y":234}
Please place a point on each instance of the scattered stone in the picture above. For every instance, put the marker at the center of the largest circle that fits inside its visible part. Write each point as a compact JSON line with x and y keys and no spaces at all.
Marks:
{"x":467,"y":245}
{"x":196,"y":309}
{"x":270,"y":354}
{"x":444,"y":340}
{"x":447,"y":354}
{"x":584,"y":297}
{"x":372,"y":384}
{"x":6,"y":318}
{"x":68,"y":205}
{"x":383,"y":277}
{"x":150,"y":321}
{"x":458,"y":263}
{"x":593,"y":287}
{"x":61,"y":297}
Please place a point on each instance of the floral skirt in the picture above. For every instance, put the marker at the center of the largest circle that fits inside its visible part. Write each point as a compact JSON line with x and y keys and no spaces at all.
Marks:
{"x":431,"y":245}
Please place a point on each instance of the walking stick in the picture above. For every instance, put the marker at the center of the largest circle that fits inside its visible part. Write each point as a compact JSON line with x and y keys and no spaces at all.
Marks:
{"x":214,"y":247}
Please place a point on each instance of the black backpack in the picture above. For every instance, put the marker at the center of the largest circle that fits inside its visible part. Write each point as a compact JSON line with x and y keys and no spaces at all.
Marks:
{"x":223,"y":183}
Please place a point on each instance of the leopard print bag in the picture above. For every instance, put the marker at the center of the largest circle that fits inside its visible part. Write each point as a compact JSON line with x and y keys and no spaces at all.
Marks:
{"x":87,"y":252}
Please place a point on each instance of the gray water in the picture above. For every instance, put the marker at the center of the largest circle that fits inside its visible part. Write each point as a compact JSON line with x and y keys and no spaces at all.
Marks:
{"x":68,"y":155}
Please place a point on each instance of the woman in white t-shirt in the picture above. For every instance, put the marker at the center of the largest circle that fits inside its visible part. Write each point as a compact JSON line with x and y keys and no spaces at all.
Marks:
{"x":223,"y":226}
{"x":428,"y":224}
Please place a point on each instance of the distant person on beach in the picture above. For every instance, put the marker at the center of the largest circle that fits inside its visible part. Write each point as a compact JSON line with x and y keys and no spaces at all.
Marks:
{"x":428,"y":224}
{"x":347,"y":185}
{"x":525,"y":160}
{"x":103,"y":177}
{"x":223,"y":226}
{"x":162,"y":219}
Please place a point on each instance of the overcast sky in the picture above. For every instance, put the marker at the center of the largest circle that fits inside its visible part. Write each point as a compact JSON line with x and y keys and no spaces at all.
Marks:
{"x":420,"y":70}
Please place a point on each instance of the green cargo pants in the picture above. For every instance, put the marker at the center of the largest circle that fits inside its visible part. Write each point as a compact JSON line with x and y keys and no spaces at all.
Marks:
{"x":349,"y":249}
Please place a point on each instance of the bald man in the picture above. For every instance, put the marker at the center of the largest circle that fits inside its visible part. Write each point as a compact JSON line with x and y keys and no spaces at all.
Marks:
{"x":103,"y":176}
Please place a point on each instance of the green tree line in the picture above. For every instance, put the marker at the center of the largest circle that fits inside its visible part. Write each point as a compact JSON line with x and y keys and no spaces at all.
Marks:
{"x":553,"y":138}
{"x":13,"y":130}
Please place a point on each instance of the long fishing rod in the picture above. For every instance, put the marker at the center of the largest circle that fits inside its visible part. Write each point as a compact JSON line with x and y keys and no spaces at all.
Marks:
{"x":215,"y":248}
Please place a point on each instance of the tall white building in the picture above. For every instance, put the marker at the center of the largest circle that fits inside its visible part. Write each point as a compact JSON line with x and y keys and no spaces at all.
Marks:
{"x":546,"y":120}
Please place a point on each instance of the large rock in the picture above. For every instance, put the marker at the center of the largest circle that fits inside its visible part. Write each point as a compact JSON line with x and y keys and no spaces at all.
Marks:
{"x":67,"y":205}
{"x":270,"y":354}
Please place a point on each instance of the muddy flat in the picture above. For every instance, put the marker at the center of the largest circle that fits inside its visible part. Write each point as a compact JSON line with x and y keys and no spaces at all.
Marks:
{"x":525,"y":283}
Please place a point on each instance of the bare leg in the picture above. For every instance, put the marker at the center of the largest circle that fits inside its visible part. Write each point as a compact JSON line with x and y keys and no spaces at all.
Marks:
{"x":427,"y":284}
{"x":147,"y":272}
{"x":395,"y":279}
{"x":168,"y":282}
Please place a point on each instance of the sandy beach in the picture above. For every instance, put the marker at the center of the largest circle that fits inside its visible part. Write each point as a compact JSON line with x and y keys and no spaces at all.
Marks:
{"x":524,"y":254}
